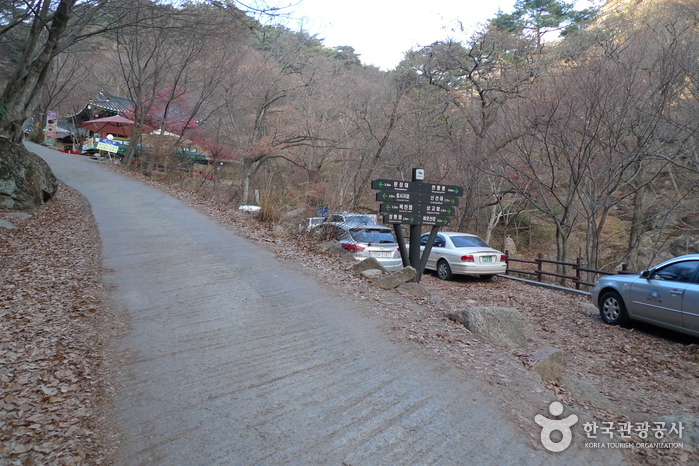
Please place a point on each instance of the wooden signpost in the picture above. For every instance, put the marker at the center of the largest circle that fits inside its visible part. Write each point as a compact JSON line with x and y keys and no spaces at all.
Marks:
{"x":416,"y":203}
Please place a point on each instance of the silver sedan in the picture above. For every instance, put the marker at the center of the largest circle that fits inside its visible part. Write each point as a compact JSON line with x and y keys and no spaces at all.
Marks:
{"x":365,"y":241}
{"x":456,"y":253}
{"x":666,"y":295}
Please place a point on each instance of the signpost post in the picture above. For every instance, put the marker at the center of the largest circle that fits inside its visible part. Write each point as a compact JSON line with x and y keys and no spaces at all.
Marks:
{"x":416,"y":203}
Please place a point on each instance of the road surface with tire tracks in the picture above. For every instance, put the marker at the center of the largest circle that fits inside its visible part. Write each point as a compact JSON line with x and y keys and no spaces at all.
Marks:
{"x":233,"y":357}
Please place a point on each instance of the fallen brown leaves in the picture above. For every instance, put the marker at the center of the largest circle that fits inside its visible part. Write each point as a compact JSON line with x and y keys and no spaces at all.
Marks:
{"x":54,"y":325}
{"x":52,"y":336}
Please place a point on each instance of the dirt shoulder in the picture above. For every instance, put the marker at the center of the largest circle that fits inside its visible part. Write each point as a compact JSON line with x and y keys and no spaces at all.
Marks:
{"x":55,"y":322}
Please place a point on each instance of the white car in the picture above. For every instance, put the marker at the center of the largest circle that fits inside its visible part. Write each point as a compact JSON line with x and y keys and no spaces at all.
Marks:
{"x":456,"y":253}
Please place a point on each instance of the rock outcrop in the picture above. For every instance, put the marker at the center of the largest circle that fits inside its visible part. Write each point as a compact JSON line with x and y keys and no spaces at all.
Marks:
{"x":501,"y":326}
{"x":368,"y":264}
{"x":390,"y":282}
{"x":26,"y":180}
{"x":550,"y":364}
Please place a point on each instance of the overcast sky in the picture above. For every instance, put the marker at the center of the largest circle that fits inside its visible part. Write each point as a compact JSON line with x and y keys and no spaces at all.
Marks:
{"x":381,"y":31}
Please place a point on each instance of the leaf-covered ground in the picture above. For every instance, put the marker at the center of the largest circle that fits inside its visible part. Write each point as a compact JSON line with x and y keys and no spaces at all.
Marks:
{"x":54,"y":328}
{"x":55,"y":325}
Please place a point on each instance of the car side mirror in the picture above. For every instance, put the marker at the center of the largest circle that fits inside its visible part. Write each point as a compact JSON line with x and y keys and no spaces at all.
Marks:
{"x":645,"y":274}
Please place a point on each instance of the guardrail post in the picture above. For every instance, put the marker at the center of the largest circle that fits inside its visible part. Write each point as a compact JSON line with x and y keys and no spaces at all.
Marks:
{"x":578,"y":272}
{"x":507,"y":261}
{"x":539,"y":267}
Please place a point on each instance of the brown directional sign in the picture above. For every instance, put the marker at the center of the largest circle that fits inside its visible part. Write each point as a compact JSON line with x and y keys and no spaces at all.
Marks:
{"x":418,"y":198}
{"x":417,"y":219}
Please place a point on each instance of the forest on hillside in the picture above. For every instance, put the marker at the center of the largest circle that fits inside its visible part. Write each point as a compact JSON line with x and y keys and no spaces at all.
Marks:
{"x":575,"y":132}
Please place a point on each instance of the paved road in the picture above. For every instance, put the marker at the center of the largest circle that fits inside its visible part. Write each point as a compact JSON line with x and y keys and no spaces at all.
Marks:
{"x":237,"y":358}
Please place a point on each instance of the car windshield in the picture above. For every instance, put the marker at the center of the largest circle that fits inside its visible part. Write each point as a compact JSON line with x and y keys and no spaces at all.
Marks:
{"x":468,"y":242}
{"x":372,"y":235}
{"x":358,"y":219}
{"x":350,"y":218}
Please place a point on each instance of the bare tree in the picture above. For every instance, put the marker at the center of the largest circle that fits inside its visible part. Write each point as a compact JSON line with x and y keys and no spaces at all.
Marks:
{"x":478,"y":78}
{"x":52,"y":27}
{"x":259,"y":113}
{"x":175,"y":68}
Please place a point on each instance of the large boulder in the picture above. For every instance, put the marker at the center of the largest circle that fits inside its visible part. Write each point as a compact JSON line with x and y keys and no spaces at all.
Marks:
{"x":371,"y":274}
{"x":26,"y":180}
{"x":390,"y":282}
{"x":550,"y":364}
{"x":370,"y":263}
{"x":501,"y":326}
{"x":413,"y":289}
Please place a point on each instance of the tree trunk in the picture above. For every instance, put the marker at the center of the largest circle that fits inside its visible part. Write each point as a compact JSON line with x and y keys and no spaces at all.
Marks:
{"x":494,"y":218}
{"x":24,"y":89}
{"x":561,"y":251}
{"x":637,"y":228}
{"x":245,"y":185}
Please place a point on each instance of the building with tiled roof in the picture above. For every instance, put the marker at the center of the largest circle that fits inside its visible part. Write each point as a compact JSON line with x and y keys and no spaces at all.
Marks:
{"x":104,"y":105}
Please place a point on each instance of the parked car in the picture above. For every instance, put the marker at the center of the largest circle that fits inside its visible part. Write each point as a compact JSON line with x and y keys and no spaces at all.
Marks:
{"x":366,"y":240}
{"x":313,"y":222}
{"x":666,"y":295}
{"x":462,"y":254}
{"x":352,"y":218}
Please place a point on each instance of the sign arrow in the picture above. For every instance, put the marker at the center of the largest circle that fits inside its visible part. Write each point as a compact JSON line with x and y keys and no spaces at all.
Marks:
{"x":445,"y":189}
{"x":396,"y":186}
{"x":416,"y":209}
{"x":418,"y":198}
{"x":416,"y":219}
{"x":416,"y":187}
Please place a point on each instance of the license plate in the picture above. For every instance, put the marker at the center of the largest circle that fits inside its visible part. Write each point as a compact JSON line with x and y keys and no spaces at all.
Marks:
{"x":487,"y":259}
{"x":382,"y":255}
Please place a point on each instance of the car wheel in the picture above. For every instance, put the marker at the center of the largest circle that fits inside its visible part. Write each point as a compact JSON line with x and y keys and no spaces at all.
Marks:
{"x":612,"y":308}
{"x":443,"y":270}
{"x":487,"y":277}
